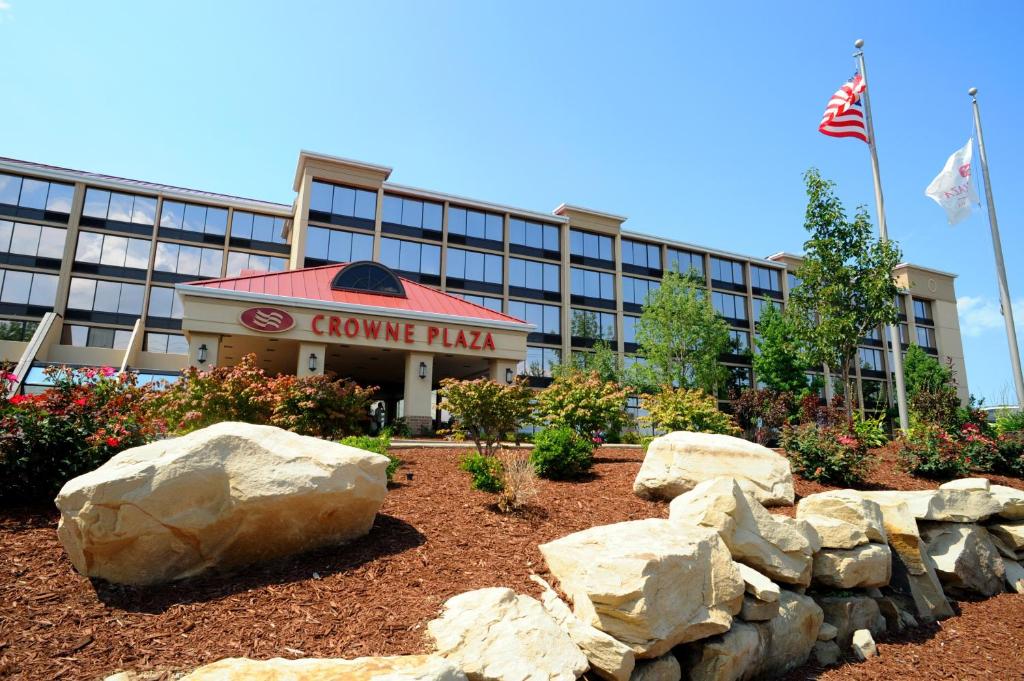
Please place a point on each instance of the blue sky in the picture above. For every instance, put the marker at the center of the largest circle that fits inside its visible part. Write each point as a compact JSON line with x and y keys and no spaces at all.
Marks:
{"x":695,"y":121}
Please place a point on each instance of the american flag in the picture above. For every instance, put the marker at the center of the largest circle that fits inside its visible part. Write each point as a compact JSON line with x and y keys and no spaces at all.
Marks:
{"x":844,"y":116}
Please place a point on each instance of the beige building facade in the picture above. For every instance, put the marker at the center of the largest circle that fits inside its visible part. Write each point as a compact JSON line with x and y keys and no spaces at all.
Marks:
{"x":102,"y":270}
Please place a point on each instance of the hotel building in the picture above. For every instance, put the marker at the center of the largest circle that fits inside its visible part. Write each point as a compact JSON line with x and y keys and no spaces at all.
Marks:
{"x":103,"y":270}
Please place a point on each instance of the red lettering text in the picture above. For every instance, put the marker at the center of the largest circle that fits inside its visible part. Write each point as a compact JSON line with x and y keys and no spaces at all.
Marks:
{"x":391,"y":331}
{"x":475,"y":342}
{"x":334,"y":326}
{"x":351,"y":327}
{"x":371,"y":329}
{"x":409,"y":330}
{"x":445,"y":341}
{"x":432,"y":333}
{"x":488,"y":342}
{"x":316,"y":325}
{"x":461,"y":340}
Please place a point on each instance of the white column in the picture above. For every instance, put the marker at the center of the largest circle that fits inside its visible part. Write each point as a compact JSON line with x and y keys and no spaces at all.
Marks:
{"x":419,"y":377}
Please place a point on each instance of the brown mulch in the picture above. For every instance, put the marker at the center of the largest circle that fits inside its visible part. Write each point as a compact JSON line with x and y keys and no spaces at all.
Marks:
{"x":433,"y":538}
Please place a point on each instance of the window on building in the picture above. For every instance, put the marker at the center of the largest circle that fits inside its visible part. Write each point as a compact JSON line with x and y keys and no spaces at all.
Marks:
{"x":590,"y":245}
{"x":904,"y":334}
{"x":95,"y":337}
{"x":873,"y":335}
{"x":26,"y":192}
{"x":101,"y":204}
{"x":425,"y":215}
{"x":192,"y":217}
{"x":105,"y":296}
{"x":115,"y":251}
{"x":635,"y":290}
{"x":728,"y":305}
{"x":239,"y":262}
{"x":539,"y":361}
{"x":475,"y":224}
{"x":629,"y":323}
{"x":532,"y":235}
{"x":641,"y":254}
{"x":547,"y":318}
{"x":346,"y":202}
{"x":739,"y":342}
{"x":38,"y":241}
{"x":926,"y":337}
{"x":410,"y":256}
{"x":922,"y":309}
{"x":685,"y":261}
{"x":737,"y":379}
{"x":533,"y":274}
{"x":759,"y":304}
{"x":18,"y":330}
{"x":727,"y":272}
{"x":335,"y":245}
{"x":166,"y":343}
{"x":765,"y":278}
{"x":875,"y":395}
{"x":189,"y":260}
{"x":258,"y":227}
{"x":165,"y":303}
{"x":474,"y":266}
{"x":592,"y":324}
{"x":871,"y":359}
{"x":489,"y":302}
{"x":592,"y":284}
{"x":28,"y":288}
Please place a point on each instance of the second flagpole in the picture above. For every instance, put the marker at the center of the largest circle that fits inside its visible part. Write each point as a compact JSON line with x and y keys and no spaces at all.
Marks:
{"x":883,"y":232}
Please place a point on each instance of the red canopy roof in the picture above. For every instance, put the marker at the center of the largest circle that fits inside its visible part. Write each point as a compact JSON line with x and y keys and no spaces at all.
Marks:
{"x":314,"y":283}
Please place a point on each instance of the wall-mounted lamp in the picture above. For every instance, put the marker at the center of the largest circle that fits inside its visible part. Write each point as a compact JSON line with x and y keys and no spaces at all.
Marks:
{"x":508,"y":376}
{"x":312,"y":361}
{"x":423,"y":369}
{"x":201,"y":354}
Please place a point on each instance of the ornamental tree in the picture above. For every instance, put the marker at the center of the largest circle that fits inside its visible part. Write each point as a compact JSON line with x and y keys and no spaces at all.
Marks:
{"x":583,"y":401}
{"x":846,"y":286}
{"x":921,"y":371}
{"x":681,"y":336}
{"x":686,"y":409}
{"x":486,"y":411}
{"x":780,"y":363}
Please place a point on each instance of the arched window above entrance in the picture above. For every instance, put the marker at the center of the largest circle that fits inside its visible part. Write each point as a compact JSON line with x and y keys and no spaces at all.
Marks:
{"x":368,"y":277}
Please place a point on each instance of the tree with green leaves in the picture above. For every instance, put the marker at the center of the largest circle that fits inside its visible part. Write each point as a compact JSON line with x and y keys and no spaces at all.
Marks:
{"x":602,"y":359}
{"x":846,"y":286}
{"x":921,"y":371}
{"x":681,"y":336}
{"x":780,"y":362}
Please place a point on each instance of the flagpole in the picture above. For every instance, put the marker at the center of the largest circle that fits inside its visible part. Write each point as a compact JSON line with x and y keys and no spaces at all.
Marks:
{"x":883,"y":232}
{"x":997,"y":247}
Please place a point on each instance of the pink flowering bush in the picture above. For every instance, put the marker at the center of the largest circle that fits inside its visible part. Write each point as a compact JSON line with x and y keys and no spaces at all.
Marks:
{"x":87,"y":416}
{"x":827,"y":454}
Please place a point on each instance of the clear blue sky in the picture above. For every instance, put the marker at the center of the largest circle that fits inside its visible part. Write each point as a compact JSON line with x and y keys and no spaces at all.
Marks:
{"x":695,"y":121}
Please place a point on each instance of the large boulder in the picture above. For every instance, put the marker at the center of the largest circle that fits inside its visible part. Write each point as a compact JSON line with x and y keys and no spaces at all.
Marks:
{"x":790,"y":636}
{"x":965,"y":558}
{"x":664,"y":668}
{"x":835,"y":533}
{"x":609,"y":658}
{"x":677,"y":462}
{"x":731,"y":656}
{"x":850,"y":613}
{"x":951,"y":505}
{"x":1010,"y":500}
{"x":1014,"y":576}
{"x":226,"y":495}
{"x":1011,"y":533}
{"x":868,"y":565}
{"x":651,"y":584}
{"x":495,"y":634}
{"x":775,"y":545}
{"x":402,"y":668}
{"x":848,"y":506}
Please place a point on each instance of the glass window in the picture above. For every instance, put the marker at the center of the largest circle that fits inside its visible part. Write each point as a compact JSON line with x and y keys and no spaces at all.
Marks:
{"x":641,"y":254}
{"x":547,"y":318}
{"x":629,"y":323}
{"x":193,"y":217}
{"x":18,"y":330}
{"x":739,"y":341}
{"x":592,"y":284}
{"x":792,"y":280}
{"x":765,"y":278}
{"x":759,"y":304}
{"x":164,"y":302}
{"x":922,"y":309}
{"x":95,"y":337}
{"x":399,"y":210}
{"x":168,"y":343}
{"x":533,"y":274}
{"x":483,"y":301}
{"x":117,"y":251}
{"x":684,"y":261}
{"x":871,"y":359}
{"x":729,"y":305}
{"x":172,"y":214}
{"x":257,"y":227}
{"x":533,"y":234}
{"x":28,"y":288}
{"x":338,"y":246}
{"x":96,"y":203}
{"x":38,"y":194}
{"x":33,"y":240}
{"x":539,"y":361}
{"x":727,"y":271}
{"x":120,"y":207}
{"x":926,"y":337}
{"x":105,"y":296}
{"x":10,"y":188}
{"x":410,"y":256}
{"x":144,"y":210}
{"x":190,"y":260}
{"x":590,"y":245}
{"x":593,"y":324}
{"x":343,"y":201}
{"x":635,"y":290}
{"x":474,"y":266}
{"x":238,"y":262}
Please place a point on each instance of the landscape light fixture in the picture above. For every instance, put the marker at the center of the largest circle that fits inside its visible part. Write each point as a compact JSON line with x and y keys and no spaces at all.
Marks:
{"x":508,"y":376}
{"x":201,"y":354}
{"x":423,"y":369}
{"x":312,"y":361}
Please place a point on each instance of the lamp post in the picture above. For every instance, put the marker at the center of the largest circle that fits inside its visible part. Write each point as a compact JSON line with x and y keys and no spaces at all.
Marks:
{"x":312,"y":362}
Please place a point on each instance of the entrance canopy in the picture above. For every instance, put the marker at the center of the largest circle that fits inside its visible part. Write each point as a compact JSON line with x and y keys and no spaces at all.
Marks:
{"x":358,"y":320}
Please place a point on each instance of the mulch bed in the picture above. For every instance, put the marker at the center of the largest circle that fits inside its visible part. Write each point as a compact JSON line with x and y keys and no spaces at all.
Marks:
{"x":433,"y":538}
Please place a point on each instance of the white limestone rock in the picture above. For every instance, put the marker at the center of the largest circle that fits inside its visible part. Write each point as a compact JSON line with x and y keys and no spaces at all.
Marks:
{"x":402,"y":668}
{"x":608,"y":657}
{"x":756,"y":610}
{"x":223,"y":496}
{"x":946,"y":505}
{"x":965,"y":558}
{"x":1010,"y":500}
{"x":827,"y":632}
{"x":775,"y":545}
{"x":1014,"y":575}
{"x":847,"y":614}
{"x":790,"y":636}
{"x":827,"y":653}
{"x":664,"y":668}
{"x":497,"y":635}
{"x":864,"y":645}
{"x":848,"y":506}
{"x":1011,"y":533}
{"x":835,"y":533}
{"x":651,"y":584}
{"x":758,"y":585}
{"x":733,"y":655}
{"x":865,"y":566}
{"x":677,"y":462}
{"x":982,"y":484}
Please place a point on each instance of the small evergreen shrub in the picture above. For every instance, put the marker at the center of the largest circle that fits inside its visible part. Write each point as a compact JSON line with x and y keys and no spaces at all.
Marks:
{"x":1010,"y":454}
{"x":378,"y":445}
{"x":485,"y":470}
{"x":1010,"y":422}
{"x":561,"y":454}
{"x":687,"y":409}
{"x":826,"y":454}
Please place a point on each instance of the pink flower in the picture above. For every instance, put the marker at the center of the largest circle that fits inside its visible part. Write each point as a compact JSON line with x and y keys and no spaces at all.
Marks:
{"x":107,"y":372}
{"x":18,"y":399}
{"x":113,"y":442}
{"x":847,"y":441}
{"x":81,"y":401}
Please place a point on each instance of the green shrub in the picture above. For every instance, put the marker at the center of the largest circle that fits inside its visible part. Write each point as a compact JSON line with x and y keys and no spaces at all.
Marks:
{"x":930,"y":452}
{"x":687,"y":409}
{"x":485,"y":411}
{"x":561,"y":454}
{"x":870,"y":431}
{"x":1010,"y":422}
{"x":486,"y":471}
{"x":1009,"y":458}
{"x":319,"y":406}
{"x":379,"y":445}
{"x":826,"y":454}
{"x":583,"y":401}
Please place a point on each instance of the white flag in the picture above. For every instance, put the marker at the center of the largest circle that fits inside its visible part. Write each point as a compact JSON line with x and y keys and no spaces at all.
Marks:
{"x":952,"y":188}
